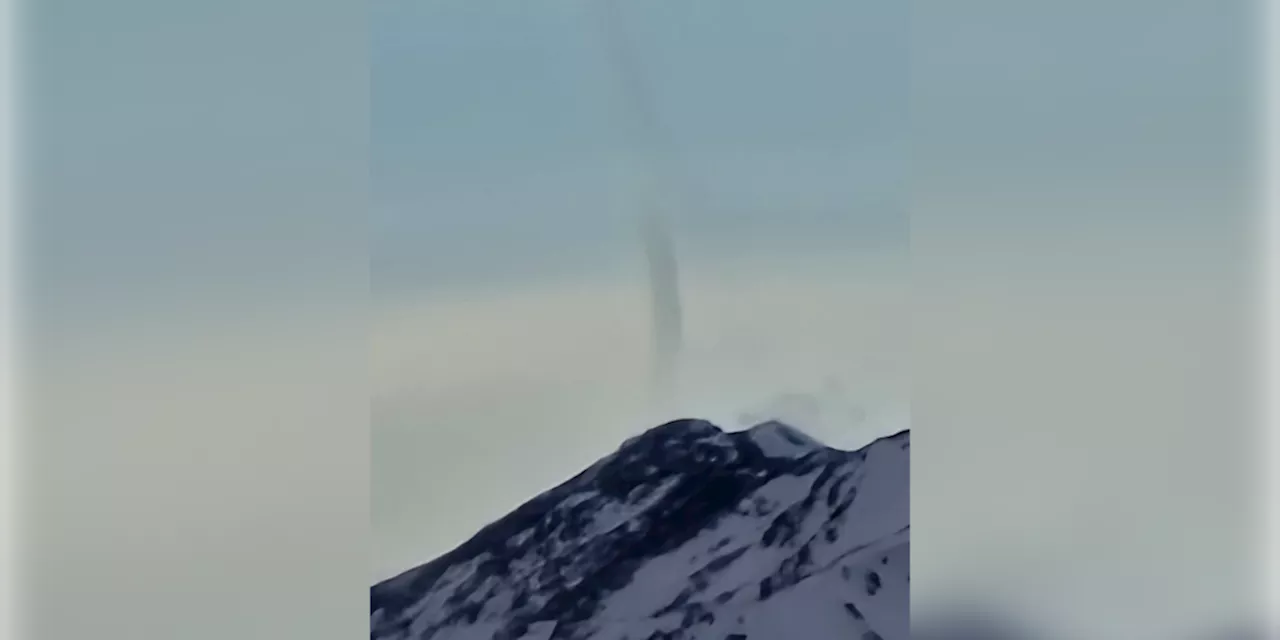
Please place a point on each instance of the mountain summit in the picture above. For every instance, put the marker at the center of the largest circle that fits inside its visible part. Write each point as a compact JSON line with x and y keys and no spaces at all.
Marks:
{"x":685,"y":532}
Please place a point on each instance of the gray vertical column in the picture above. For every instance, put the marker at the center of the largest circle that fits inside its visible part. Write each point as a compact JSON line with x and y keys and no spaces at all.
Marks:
{"x":667,"y":315}
{"x":654,"y":161}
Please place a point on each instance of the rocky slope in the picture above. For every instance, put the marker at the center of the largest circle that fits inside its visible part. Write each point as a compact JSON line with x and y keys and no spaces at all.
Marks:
{"x":685,"y":532}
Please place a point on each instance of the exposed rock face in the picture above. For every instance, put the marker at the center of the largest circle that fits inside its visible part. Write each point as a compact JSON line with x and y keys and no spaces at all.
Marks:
{"x":685,"y":532}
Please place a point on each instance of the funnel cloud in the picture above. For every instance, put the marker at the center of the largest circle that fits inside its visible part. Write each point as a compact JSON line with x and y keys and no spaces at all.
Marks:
{"x":664,"y":282}
{"x":641,"y":118}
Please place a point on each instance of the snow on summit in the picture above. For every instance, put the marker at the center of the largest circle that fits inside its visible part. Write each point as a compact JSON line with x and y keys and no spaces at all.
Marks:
{"x":685,"y":532}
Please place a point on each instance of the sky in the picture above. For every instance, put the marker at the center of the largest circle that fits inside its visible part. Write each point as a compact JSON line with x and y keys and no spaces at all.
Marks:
{"x":1081,"y":248}
{"x":1083,"y":244}
{"x":1060,"y":275}
{"x":500,"y":137}
{"x":194,"y":299}
{"x":511,"y":318}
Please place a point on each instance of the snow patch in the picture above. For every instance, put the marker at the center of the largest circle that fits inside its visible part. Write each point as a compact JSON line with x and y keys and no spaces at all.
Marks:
{"x":684,"y":532}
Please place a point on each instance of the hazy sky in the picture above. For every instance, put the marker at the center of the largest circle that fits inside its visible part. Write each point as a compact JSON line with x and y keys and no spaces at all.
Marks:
{"x":511,"y":339}
{"x":1082,"y":247}
{"x":193,"y":271}
{"x":1081,"y":256}
{"x":1080,"y":259}
{"x":500,"y":147}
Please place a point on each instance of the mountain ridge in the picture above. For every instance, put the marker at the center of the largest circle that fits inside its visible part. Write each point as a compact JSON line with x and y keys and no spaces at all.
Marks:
{"x":559,"y":562}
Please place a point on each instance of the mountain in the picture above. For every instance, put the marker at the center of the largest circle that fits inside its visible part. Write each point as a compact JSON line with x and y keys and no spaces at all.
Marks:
{"x":685,"y":532}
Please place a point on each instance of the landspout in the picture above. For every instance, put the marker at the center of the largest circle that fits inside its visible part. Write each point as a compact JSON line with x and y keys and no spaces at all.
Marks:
{"x":667,"y":316}
{"x":659,"y":178}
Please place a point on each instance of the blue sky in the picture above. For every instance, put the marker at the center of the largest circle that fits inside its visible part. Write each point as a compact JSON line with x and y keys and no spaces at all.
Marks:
{"x":502,"y":150}
{"x":511,"y":304}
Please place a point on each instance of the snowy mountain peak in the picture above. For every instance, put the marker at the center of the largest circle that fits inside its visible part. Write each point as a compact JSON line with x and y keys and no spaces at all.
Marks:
{"x":685,"y":532}
{"x":674,"y":440}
